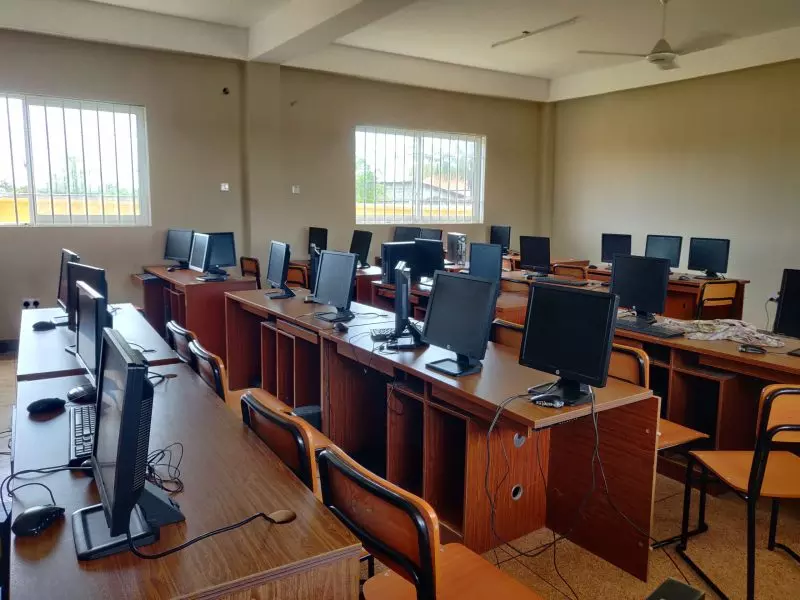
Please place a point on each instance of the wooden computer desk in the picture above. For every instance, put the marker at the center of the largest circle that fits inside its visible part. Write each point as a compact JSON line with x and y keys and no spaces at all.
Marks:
{"x":42,"y":354}
{"x":363,"y":279}
{"x":228,"y":473}
{"x":511,"y":261}
{"x":427,"y":433}
{"x":196,"y":305}
{"x":683,"y":296}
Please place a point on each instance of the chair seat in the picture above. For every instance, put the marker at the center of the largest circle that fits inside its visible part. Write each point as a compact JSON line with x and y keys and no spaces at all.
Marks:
{"x":671,"y":434}
{"x":782,"y":479}
{"x":463,"y":575}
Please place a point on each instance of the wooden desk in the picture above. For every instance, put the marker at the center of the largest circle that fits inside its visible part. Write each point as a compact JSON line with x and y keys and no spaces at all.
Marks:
{"x":229,"y":475}
{"x":41,"y":354}
{"x":512,"y":261}
{"x":427,"y":433}
{"x":363,"y":279}
{"x":683,"y":297}
{"x":196,"y":305}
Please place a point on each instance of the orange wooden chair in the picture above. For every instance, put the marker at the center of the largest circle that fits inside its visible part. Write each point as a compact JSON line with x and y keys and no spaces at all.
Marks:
{"x":571,"y":271}
{"x":210,"y":368}
{"x":179,"y":339}
{"x":715,"y":294}
{"x":251,"y":267}
{"x":507,"y":333}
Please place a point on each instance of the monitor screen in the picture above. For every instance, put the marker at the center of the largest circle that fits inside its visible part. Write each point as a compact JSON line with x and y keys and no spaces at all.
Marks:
{"x":360,"y":244}
{"x":460,"y":313}
{"x":91,"y":318}
{"x":197,"y":259}
{"x":457,"y":247}
{"x":569,"y":332}
{"x":405,"y":234}
{"x":335,"y":279}
{"x":222,"y":250}
{"x":534,"y":253}
{"x":665,"y":246}
{"x":67,"y":256}
{"x":392,"y":253}
{"x":319,"y":237}
{"x":614,"y":243}
{"x":430,"y":234}
{"x":787,"y":319}
{"x":94,"y":277}
{"x":709,"y":254}
{"x":640,"y":282}
{"x":486,"y":261}
{"x":178,"y":245}
{"x":278,"y":268}
{"x":500,"y":235}
{"x":428,"y":258}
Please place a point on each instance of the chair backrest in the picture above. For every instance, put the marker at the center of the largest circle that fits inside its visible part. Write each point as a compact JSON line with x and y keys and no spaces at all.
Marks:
{"x":507,"y":333}
{"x":778,"y":421}
{"x":398,"y":528}
{"x":573,"y":271}
{"x":210,"y":368}
{"x":179,"y":339}
{"x":288,"y":436}
{"x":717,"y":293}
{"x":297,"y":276}
{"x":630,"y":364}
{"x":251,"y":267}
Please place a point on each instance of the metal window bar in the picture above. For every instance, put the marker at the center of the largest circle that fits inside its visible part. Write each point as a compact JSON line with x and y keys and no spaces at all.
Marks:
{"x":83,"y":161}
{"x":66,"y":161}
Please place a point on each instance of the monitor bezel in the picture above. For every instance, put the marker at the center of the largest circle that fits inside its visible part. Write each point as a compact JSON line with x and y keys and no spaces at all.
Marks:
{"x":166,"y":244}
{"x":604,"y":257}
{"x":673,"y":265}
{"x":352,"y":278}
{"x":634,"y":258}
{"x":213,"y":237}
{"x":692,"y":266}
{"x":537,"y":268}
{"x":488,"y":245}
{"x":284,"y":266}
{"x":506,"y":235}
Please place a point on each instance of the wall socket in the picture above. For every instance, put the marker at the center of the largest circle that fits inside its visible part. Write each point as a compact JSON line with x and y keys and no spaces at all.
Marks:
{"x":295,"y":189}
{"x":224,"y":187}
{"x":30,"y":303}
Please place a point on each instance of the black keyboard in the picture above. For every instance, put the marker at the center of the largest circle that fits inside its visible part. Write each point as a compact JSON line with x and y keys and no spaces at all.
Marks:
{"x":559,"y":281}
{"x":382,"y":335}
{"x":81,"y":433}
{"x":656,"y":330}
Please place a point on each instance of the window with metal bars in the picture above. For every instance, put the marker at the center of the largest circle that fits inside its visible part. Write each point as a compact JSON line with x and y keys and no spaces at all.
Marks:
{"x":72,"y":162}
{"x":419,"y":177}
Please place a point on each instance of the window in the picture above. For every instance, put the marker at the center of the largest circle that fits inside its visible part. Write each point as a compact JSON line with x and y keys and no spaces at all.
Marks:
{"x":72,"y":162}
{"x":406,"y":176}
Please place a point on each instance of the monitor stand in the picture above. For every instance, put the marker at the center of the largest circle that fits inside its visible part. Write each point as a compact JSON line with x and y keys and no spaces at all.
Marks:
{"x":710,"y":275}
{"x":214,"y":274}
{"x":181,"y":265}
{"x":287,"y":293}
{"x":92,"y":536}
{"x":458,"y":367}
{"x":412,"y":341}
{"x":572,"y":392}
{"x":338,"y":317}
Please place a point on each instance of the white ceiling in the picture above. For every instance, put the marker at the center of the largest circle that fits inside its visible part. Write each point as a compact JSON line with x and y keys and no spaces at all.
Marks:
{"x":240,"y":13}
{"x":461,"y":31}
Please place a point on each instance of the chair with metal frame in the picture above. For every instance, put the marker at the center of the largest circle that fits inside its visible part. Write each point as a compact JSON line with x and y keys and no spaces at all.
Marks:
{"x":716,"y":294}
{"x":402,"y":531}
{"x":251,"y":267}
{"x":210,"y":368}
{"x":179,"y":338}
{"x":753,"y":474}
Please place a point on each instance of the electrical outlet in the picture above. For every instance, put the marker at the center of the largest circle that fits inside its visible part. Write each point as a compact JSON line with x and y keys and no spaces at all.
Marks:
{"x":30,"y":303}
{"x":295,"y":189}
{"x":224,"y":187}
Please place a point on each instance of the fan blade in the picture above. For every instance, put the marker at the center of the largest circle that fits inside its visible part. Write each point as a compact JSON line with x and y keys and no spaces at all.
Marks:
{"x":705,"y":41}
{"x":601,"y":53}
{"x":527,"y":34}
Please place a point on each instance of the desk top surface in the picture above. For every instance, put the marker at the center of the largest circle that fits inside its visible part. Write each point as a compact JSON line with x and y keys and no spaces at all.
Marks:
{"x":369,"y":272}
{"x":518,"y":276}
{"x":674,"y":278}
{"x":229,"y":475}
{"x":504,"y":300}
{"x":187,"y":277}
{"x":41,"y":353}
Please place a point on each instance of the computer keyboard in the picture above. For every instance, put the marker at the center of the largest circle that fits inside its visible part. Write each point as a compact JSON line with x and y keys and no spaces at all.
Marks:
{"x":81,"y":433}
{"x":656,"y":330}
{"x":382,"y":335}
{"x":559,"y":281}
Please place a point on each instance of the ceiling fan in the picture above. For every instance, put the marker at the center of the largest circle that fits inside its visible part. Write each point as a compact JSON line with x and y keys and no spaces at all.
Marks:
{"x":662,"y":55}
{"x":527,"y":34}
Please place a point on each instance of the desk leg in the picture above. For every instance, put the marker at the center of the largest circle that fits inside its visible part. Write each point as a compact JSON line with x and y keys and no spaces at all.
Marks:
{"x":628,"y":452}
{"x":243,"y":341}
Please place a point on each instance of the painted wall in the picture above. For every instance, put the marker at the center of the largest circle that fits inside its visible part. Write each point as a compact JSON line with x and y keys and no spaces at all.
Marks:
{"x":711,"y":157}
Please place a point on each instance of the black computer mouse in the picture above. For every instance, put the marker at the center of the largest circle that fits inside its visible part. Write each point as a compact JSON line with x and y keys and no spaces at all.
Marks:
{"x":34,"y":520}
{"x":341,"y":327}
{"x":43,"y":326}
{"x":684,"y":278}
{"x":592,"y":266}
{"x":751,"y":349}
{"x":46,"y":405}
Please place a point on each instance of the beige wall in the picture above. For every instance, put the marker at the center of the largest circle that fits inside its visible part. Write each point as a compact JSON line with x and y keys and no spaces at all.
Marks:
{"x":713,"y":157}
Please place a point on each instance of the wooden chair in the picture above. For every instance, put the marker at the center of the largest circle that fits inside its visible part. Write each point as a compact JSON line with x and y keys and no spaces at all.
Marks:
{"x":210,"y":368}
{"x":716,"y":293}
{"x":752,"y":474}
{"x":270,"y":402}
{"x":251,"y":267}
{"x":507,"y":333}
{"x":179,"y":340}
{"x":402,"y":531}
{"x":297,"y":276}
{"x":572,"y":271}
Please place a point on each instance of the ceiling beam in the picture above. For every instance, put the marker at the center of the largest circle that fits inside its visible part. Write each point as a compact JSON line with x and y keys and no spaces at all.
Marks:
{"x":301,"y":27}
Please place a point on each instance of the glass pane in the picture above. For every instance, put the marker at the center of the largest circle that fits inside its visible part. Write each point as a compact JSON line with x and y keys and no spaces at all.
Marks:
{"x":108,"y":161}
{"x":136,"y":158}
{"x":58,"y":160}
{"x":8,"y":209}
{"x":41,"y":159}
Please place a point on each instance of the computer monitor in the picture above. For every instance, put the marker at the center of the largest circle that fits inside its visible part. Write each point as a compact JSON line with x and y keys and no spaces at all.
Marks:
{"x":428,"y":258}
{"x":94,"y":277}
{"x":317,"y":236}
{"x":404,"y":233}
{"x":456,"y":247}
{"x":221,"y":253}
{"x":391,"y":254}
{"x":67,"y":256}
{"x":92,"y":316}
{"x":359,"y":246}
{"x":119,"y":460}
{"x":430,"y":234}
{"x":641,"y":284}
{"x":178,"y":247}
{"x":614,"y":243}
{"x":459,"y":318}
{"x":534,"y":254}
{"x":402,"y":311}
{"x":501,"y":235}
{"x":278,"y":269}
{"x":569,"y":333}
{"x":197,"y":258}
{"x":486,"y":261}
{"x":334,"y":286}
{"x":787,"y":319}
{"x":665,"y":246}
{"x":709,"y":255}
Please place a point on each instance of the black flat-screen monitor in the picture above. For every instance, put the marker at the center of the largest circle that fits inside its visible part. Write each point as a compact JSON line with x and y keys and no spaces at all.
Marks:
{"x":569,"y":333}
{"x":278,"y":268}
{"x":430,"y":234}
{"x":486,"y":261}
{"x":459,"y":318}
{"x":197,"y":259}
{"x":709,"y":255}
{"x":92,"y":316}
{"x":317,"y":236}
{"x":94,"y":277}
{"x":787,"y":319}
{"x":178,"y":246}
{"x":534,"y":253}
{"x":402,"y":298}
{"x":428,"y":258}
{"x":641,"y":284}
{"x":391,"y":254}
{"x":221,"y":251}
{"x":359,"y":246}
{"x":614,"y":243}
{"x":335,"y":276}
{"x":664,"y":246}
{"x":456,"y":247}
{"x":501,"y":235}
{"x":403,"y":233}
{"x":67,"y":256}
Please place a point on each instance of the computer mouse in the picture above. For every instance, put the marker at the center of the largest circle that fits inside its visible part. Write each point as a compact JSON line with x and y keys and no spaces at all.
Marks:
{"x":592,"y":266}
{"x":751,"y":349}
{"x":341,"y":327}
{"x":605,"y":284}
{"x":171,"y":269}
{"x":82,"y":394}
{"x":34,"y":520}
{"x":46,"y":405}
{"x":684,"y":278}
{"x":43,"y":326}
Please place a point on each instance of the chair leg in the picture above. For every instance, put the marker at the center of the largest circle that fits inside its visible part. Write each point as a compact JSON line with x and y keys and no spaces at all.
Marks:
{"x":773,"y":530}
{"x":687,"y":501}
{"x":751,"y":548}
{"x":702,"y":526}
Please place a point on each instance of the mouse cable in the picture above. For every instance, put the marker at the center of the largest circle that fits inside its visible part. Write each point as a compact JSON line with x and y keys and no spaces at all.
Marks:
{"x":171,"y":482}
{"x":5,"y":489}
{"x":142,"y":349}
{"x":24,"y":485}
